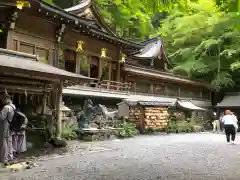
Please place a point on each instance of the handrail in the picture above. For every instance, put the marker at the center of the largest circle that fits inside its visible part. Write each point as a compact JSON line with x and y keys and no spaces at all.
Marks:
{"x":113,"y":85}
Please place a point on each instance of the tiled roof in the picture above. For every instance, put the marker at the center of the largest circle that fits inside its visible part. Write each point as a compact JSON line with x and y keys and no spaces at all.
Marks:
{"x":22,"y":61}
{"x":231,"y":100}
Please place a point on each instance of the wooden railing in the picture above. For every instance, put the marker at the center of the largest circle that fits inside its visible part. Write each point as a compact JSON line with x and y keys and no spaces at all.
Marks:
{"x":111,"y":85}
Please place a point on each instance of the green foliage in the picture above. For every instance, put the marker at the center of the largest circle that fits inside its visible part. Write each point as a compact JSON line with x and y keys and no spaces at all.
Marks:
{"x":201,"y":36}
{"x":69,"y":133}
{"x":129,"y":130}
{"x":153,"y":130}
{"x":202,"y":42}
{"x":189,"y":125}
{"x":128,"y":19}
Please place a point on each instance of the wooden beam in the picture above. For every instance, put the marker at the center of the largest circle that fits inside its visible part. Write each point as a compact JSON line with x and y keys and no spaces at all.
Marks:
{"x":21,"y":81}
{"x":20,"y":91}
{"x":37,"y":89}
{"x":27,"y":74}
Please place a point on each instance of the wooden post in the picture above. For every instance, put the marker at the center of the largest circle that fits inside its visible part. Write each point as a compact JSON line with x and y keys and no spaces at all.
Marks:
{"x":110,"y":74}
{"x":100,"y":67}
{"x":134,"y":87}
{"x":58,"y":116}
{"x":151,"y":89}
{"x":110,"y":70}
{"x":78,"y":56}
{"x":141,"y":118}
{"x":11,"y":28}
{"x":118,"y":71}
{"x":166,"y":90}
{"x":44,"y":102}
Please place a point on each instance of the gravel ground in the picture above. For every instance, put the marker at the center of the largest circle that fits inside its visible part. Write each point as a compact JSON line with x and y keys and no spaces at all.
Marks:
{"x":203,"y":156}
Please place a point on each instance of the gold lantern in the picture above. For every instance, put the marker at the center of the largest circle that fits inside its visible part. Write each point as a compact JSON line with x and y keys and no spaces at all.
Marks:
{"x":79,"y":46}
{"x":103,"y":52}
{"x":22,"y":3}
{"x":123,"y":58}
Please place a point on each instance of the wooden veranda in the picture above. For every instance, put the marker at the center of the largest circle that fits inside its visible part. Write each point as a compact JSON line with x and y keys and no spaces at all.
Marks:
{"x":22,"y":73}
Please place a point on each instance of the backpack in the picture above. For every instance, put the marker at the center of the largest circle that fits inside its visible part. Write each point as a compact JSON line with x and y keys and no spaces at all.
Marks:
{"x":17,"y":121}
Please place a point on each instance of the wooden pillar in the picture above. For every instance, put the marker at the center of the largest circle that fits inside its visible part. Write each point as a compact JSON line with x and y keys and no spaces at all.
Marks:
{"x":110,"y":74}
{"x":109,"y":70}
{"x":100,"y":67}
{"x":201,"y":94}
{"x":134,"y":87}
{"x":78,"y":55}
{"x":10,"y":40}
{"x":118,"y":71}
{"x":44,"y":102}
{"x":58,"y":112}
{"x":141,"y":118}
{"x":210,"y":96}
{"x":166,"y":90}
{"x":11,"y":28}
{"x":151,"y":89}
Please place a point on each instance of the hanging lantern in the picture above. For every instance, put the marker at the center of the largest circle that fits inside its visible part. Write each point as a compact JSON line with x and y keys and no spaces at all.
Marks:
{"x":103,"y":52}
{"x":21,"y":3}
{"x":79,"y":46}
{"x":123,"y":58}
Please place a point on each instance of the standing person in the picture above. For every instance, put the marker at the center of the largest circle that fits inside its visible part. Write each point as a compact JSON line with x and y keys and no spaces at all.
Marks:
{"x":221,"y":122}
{"x":236,"y":125}
{"x":230,"y":122}
{"x":216,"y":124}
{"x":6,"y":116}
{"x":19,"y":137}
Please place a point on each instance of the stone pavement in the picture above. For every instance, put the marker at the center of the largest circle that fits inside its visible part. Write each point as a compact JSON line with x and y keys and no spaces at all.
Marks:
{"x":203,"y":156}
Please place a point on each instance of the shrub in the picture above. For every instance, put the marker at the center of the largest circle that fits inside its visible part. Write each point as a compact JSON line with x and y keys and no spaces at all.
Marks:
{"x":129,"y":130}
{"x":184,"y":126}
{"x":189,"y":125}
{"x":172,"y":127}
{"x":153,"y":130}
{"x":69,"y":133}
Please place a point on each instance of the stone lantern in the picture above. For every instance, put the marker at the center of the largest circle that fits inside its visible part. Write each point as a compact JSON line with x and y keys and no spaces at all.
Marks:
{"x":66,"y":115}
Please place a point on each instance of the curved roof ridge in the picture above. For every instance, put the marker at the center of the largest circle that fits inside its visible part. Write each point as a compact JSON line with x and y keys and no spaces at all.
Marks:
{"x":80,"y":9}
{"x":101,"y":21}
{"x":82,"y":5}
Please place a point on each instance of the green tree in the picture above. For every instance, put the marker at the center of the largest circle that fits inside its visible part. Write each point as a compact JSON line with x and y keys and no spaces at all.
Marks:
{"x":202,"y":42}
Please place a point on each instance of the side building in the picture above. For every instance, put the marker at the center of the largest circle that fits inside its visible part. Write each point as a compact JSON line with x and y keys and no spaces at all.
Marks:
{"x":79,"y":41}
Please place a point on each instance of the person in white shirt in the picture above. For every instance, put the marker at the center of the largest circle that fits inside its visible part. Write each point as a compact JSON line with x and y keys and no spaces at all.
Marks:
{"x":230,"y":124}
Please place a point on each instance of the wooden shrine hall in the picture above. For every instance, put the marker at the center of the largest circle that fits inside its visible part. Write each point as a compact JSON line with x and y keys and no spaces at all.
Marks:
{"x":22,"y":73}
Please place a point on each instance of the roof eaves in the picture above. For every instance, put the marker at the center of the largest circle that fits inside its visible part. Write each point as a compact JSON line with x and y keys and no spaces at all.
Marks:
{"x":82,"y":5}
{"x":169,"y":75}
{"x":95,"y":30}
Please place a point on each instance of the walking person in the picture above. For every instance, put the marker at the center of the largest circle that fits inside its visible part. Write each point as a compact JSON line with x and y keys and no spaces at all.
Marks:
{"x":221,"y":122}
{"x":6,"y":116}
{"x":230,"y":122}
{"x":216,"y":124}
{"x":236,"y":125}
